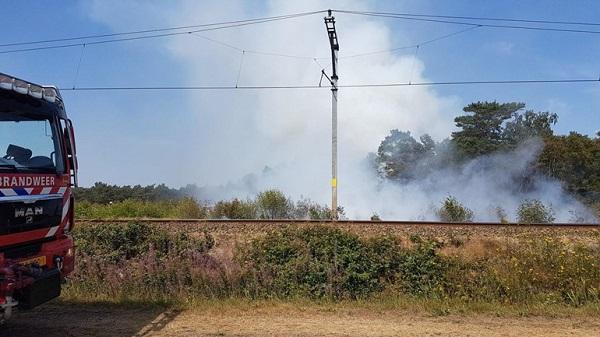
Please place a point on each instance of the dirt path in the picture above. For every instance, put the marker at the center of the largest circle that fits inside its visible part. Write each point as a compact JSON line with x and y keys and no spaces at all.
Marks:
{"x":101,"y":321}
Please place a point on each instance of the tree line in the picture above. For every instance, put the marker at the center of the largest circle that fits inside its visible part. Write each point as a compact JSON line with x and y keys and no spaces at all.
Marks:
{"x":489,"y":128}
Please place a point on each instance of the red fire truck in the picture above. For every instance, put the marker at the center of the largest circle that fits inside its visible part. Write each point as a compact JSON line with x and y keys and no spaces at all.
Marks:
{"x":38,"y":167}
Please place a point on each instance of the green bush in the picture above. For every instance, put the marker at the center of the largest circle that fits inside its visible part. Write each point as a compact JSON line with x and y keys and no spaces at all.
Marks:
{"x":273,"y":204}
{"x":534,"y":211}
{"x":453,"y":211}
{"x":234,"y":209}
{"x":117,"y":242}
{"x":185,"y":208}
{"x":422,"y":270}
{"x":308,"y":209}
{"x":325,"y":262}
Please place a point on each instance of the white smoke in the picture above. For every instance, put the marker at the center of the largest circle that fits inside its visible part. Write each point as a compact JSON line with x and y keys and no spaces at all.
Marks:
{"x":289,"y":130}
{"x":483,"y":185}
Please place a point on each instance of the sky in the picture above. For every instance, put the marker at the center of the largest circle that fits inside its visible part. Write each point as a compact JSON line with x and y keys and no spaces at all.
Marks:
{"x":213,"y":138}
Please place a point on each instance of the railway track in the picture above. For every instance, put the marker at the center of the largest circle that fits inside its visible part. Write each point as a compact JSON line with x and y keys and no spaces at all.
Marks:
{"x":398,"y":223}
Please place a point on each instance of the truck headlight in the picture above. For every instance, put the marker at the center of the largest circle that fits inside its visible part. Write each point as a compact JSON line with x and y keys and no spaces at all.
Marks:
{"x":50,"y":94}
{"x":35,"y":91}
{"x":21,"y":87}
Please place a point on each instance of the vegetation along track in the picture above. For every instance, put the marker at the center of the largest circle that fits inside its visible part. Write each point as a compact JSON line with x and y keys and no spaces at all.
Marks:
{"x":237,"y":230}
{"x":399,"y":223}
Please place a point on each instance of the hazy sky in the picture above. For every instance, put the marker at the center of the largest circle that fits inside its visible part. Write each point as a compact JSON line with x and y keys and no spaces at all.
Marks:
{"x":220,"y":136}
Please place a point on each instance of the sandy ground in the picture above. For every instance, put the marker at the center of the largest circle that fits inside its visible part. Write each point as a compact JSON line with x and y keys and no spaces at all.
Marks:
{"x":63,"y":320}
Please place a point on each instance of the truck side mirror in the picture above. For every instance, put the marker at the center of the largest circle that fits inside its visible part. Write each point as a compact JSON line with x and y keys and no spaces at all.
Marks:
{"x":69,"y":134}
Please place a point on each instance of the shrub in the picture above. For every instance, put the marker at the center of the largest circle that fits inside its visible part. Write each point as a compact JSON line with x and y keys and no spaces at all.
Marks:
{"x":308,"y":209}
{"x":273,"y":204}
{"x":234,"y":209}
{"x":189,"y":208}
{"x":316,"y":262}
{"x":422,"y":270}
{"x":183,"y":208}
{"x":453,"y":211}
{"x":117,"y":242}
{"x":501,"y":215}
{"x":534,"y":211}
{"x":325,"y":262}
{"x":140,"y":262}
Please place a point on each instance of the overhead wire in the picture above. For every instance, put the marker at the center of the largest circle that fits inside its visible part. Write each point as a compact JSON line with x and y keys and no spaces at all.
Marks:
{"x":155,"y":30}
{"x":78,"y":66}
{"x":239,"y":23}
{"x":68,"y":45}
{"x":237,"y":81}
{"x":230,"y":22}
{"x":536,"y":28}
{"x":479,"y":18}
{"x":357,"y":85}
{"x":413,"y":45}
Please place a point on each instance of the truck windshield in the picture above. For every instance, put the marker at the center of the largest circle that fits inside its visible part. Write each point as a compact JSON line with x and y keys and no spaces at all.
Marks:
{"x":29,"y":143}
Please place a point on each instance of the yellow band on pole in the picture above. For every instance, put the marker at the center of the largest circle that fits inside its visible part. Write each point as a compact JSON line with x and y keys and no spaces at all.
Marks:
{"x":334,"y":182}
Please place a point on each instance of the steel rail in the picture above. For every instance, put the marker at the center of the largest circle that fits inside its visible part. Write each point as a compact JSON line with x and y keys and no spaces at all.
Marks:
{"x":349,"y":222}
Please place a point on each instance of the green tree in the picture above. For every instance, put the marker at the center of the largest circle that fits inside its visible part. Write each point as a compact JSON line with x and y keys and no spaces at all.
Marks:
{"x":575,"y":160}
{"x":273,"y":204}
{"x":529,"y":125}
{"x":482,"y":130}
{"x":399,"y":154}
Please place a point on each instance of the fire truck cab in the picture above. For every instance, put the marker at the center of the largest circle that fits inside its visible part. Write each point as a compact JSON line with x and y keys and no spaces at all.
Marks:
{"x":38,"y":168}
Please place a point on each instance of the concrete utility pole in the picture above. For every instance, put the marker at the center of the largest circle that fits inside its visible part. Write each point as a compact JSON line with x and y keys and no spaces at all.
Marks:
{"x":335,"y":47}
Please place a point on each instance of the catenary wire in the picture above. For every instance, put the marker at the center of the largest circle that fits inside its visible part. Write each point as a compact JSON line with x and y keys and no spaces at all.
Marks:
{"x":552,"y":22}
{"x":363,"y":85}
{"x":156,"y":30}
{"x":536,"y":28}
{"x":68,"y":45}
{"x":412,"y":46}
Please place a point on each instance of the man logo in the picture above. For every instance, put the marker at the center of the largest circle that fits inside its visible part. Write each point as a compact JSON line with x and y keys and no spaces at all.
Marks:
{"x":28,"y":212}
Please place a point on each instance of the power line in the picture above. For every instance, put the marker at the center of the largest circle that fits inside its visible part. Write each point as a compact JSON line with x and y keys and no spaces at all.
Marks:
{"x":155,"y":30}
{"x":155,"y":35}
{"x":363,"y":85}
{"x":389,"y":14}
{"x":577,"y":23}
{"x":414,"y":45}
{"x":536,"y":28}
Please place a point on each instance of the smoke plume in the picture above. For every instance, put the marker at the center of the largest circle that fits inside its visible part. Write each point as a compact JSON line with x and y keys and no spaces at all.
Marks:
{"x":288,"y":131}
